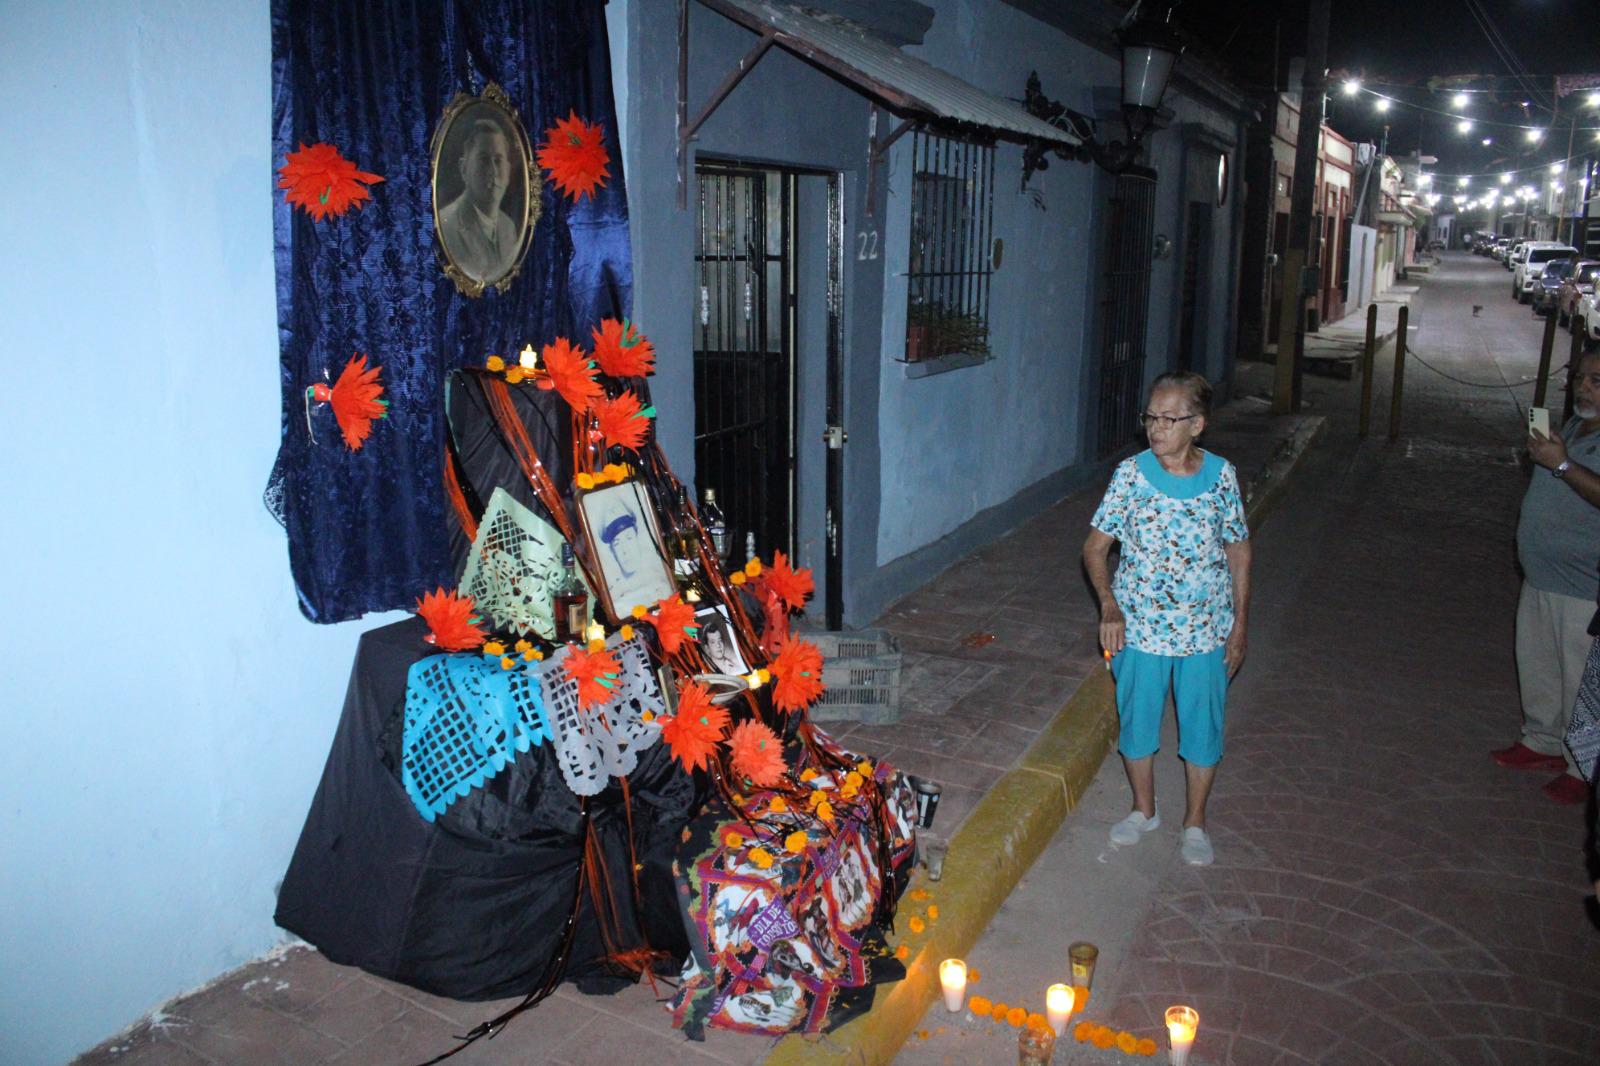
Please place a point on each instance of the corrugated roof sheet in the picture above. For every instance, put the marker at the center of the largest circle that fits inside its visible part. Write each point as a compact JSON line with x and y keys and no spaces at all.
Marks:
{"x":904,"y":83}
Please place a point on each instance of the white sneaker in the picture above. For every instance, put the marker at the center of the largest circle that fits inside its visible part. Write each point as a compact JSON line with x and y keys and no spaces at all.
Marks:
{"x":1130,"y":829}
{"x":1196,"y":847}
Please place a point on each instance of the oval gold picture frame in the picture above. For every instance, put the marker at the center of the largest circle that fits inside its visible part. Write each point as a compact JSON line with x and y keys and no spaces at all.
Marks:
{"x":486,"y":191}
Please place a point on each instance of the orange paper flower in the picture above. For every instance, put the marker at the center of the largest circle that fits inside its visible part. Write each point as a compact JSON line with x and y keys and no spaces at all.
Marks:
{"x":757,"y":753}
{"x":791,"y":586}
{"x":623,"y":421}
{"x":595,"y":672}
{"x":323,"y":182}
{"x":574,"y":154}
{"x":979,"y":1005}
{"x":355,"y":400}
{"x":622,"y":351}
{"x":693,"y":733}
{"x":568,"y":370}
{"x":798,"y":668}
{"x":452,"y":621}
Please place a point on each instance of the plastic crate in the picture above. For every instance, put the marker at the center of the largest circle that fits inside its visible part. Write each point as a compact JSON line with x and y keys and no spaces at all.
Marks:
{"x":861,"y":675}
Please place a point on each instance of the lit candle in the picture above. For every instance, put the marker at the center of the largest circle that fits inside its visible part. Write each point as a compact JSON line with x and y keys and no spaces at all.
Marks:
{"x":953,"y":977}
{"x":1181,"y":1025}
{"x":1058,"y":1001}
{"x":596,"y":631}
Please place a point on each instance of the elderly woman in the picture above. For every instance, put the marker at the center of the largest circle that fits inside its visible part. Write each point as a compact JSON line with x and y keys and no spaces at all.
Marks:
{"x":1174,"y":616}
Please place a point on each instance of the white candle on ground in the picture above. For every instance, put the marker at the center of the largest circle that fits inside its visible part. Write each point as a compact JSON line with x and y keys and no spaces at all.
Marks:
{"x":1058,"y":1001}
{"x":1181,"y":1025}
{"x":953,"y":979}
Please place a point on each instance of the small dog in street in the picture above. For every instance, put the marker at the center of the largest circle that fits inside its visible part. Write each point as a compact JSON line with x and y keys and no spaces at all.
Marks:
{"x":1475,"y":309}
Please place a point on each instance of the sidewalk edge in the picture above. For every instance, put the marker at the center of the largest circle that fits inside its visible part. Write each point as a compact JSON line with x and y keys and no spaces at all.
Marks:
{"x":1008,"y":829}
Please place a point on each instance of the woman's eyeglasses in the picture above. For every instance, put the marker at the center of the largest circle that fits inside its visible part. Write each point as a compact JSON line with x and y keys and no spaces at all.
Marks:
{"x":1162,"y":421}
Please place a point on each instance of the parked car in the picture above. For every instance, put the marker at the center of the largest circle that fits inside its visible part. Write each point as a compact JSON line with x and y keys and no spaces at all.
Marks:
{"x":1579,"y":282}
{"x":1533,"y":257}
{"x":1547,"y":284}
{"x":1501,"y":249}
{"x":1514,"y":255}
{"x":1586,"y":320}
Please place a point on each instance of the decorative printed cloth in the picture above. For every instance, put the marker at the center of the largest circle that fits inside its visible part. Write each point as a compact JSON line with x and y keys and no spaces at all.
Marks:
{"x":779,"y":934}
{"x":1583,"y":731}
{"x":514,"y":567}
{"x":466,"y":718}
{"x":602,"y":742}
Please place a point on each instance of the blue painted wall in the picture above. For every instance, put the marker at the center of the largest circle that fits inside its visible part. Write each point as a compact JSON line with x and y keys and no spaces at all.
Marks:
{"x":167,"y":708}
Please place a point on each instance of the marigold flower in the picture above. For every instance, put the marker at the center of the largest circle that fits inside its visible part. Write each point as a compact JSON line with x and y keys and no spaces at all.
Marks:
{"x":825,"y":811}
{"x":1080,"y":1000}
{"x":522,"y":645}
{"x":998,"y":1011}
{"x":920,"y":894}
{"x":738,"y":577}
{"x":532,"y":655}
{"x":762,"y":858}
{"x":515,"y":375}
{"x":1103,"y":1037}
{"x":627,"y":632}
{"x":753,"y":568}
{"x":917,"y":924}
{"x":494,"y":648}
{"x":496,"y":363}
{"x":507,"y":662}
{"x":1015,"y":1017}
{"x":778,"y":805}
{"x":1127,"y":1042}
{"x":979,"y":1005}
{"x":733,"y":839}
{"x":973,"y":976}
{"x":1037,"y":1021}
{"x":648,"y":716}
{"x":1083,"y":1031}
{"x":933,"y":913}
{"x":808,"y":774}
{"x":640,"y":610}
{"x":796,"y":841}
{"x":902,"y":952}
{"x":585,"y":481}
{"x":1146,"y":1046}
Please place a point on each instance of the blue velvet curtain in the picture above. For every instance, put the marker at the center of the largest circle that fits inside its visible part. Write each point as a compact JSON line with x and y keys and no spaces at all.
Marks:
{"x":368,"y":529}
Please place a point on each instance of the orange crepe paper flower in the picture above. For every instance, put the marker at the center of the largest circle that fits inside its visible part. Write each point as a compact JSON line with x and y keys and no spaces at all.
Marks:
{"x":791,"y":586}
{"x":1015,"y":1017}
{"x":323,"y":182}
{"x":796,"y":841}
{"x":596,"y":674}
{"x":1127,"y":1042}
{"x":761,"y":857}
{"x":452,"y":621}
{"x":1146,"y":1046}
{"x":623,"y":421}
{"x":568,"y":370}
{"x":979,"y":1005}
{"x":622,"y":351}
{"x":574,"y":154}
{"x":355,"y":400}
{"x":692,"y":735}
{"x":757,"y":753}
{"x":798,"y":668}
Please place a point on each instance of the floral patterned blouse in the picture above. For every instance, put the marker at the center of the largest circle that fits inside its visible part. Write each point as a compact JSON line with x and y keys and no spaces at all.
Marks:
{"x":1173,"y":583}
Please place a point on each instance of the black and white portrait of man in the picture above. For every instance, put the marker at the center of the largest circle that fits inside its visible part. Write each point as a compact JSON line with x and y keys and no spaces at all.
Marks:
{"x":485,"y":191}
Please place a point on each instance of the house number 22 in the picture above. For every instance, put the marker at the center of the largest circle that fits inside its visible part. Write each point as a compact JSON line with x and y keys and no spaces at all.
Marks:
{"x":868,"y":240}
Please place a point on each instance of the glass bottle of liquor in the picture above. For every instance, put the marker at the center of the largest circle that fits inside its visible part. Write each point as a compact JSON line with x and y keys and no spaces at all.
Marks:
{"x":685,"y":543}
{"x":571,"y":601}
{"x":715,"y":525}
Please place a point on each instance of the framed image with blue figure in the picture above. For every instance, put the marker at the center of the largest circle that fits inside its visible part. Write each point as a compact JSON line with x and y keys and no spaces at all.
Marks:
{"x":619,"y":525}
{"x":485,"y":191}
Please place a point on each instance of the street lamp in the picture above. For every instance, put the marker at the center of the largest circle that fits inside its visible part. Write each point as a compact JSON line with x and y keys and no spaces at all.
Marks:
{"x":1465,"y":125}
{"x":1351,"y":86}
{"x":1382,"y":103}
{"x":1505,"y":179}
{"x":1535,"y":134}
{"x":1460,"y":101}
{"x":1150,"y":50}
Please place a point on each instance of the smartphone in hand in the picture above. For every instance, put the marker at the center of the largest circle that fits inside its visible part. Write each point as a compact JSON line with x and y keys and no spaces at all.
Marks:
{"x":1539,"y":421}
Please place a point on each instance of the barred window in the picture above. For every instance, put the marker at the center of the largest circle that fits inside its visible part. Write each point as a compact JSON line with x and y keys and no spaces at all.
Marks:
{"x":952,"y":229}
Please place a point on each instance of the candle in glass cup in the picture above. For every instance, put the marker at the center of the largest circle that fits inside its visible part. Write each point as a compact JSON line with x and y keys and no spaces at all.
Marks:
{"x":1058,"y":1001}
{"x":1181,"y":1025}
{"x":953,"y":979}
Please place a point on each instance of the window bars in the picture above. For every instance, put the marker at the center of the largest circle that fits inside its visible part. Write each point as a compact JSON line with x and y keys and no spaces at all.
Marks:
{"x":952,"y":230}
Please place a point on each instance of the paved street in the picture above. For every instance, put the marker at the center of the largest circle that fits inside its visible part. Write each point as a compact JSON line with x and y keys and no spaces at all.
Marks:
{"x":1383,"y":893}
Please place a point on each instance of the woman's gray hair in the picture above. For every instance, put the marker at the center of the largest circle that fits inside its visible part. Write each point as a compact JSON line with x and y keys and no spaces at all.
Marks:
{"x":1198,"y":388}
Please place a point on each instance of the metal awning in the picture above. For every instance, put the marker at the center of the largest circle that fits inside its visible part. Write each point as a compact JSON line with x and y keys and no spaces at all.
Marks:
{"x":915,"y":90}
{"x":904,"y":84}
{"x":1397,"y":218}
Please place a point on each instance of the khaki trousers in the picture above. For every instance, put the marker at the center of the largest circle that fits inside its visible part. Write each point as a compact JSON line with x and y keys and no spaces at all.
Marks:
{"x":1552,"y":645}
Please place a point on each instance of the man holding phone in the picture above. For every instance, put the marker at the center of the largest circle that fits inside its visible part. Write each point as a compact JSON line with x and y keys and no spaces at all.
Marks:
{"x":1558,"y":545}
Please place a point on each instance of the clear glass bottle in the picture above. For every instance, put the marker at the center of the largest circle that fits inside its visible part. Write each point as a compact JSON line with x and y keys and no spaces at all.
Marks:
{"x":571,"y":601}
{"x":715,"y":525}
{"x":685,"y":545}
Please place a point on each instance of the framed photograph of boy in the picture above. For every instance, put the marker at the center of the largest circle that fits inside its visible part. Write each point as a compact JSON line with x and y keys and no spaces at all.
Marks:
{"x":717,"y":641}
{"x":485,"y":191}
{"x":619,"y":526}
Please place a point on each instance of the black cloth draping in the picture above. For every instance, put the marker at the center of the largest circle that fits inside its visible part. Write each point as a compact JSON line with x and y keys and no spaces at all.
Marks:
{"x":367,"y":529}
{"x":472,"y":906}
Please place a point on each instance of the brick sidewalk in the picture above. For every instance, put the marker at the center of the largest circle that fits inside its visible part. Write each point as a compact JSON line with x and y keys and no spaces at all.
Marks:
{"x":1383,"y":893}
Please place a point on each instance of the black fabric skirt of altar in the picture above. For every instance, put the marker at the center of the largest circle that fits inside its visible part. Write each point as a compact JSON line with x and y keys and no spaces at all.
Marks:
{"x":473,"y":905}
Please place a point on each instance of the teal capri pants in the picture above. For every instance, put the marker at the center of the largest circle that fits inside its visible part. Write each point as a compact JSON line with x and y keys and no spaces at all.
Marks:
{"x":1199,"y":685}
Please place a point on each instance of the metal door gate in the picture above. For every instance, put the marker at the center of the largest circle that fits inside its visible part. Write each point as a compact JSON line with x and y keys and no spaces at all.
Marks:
{"x":744,"y":352}
{"x":1192,"y":312}
{"x":1130,"y":239}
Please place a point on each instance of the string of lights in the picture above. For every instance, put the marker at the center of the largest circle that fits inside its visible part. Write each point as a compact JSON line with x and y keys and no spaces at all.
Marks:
{"x":1464,"y":123}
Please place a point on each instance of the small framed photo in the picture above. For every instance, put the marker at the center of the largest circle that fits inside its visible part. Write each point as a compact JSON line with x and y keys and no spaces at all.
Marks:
{"x":717,"y":641}
{"x":620,"y":527}
{"x":485,"y":191}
